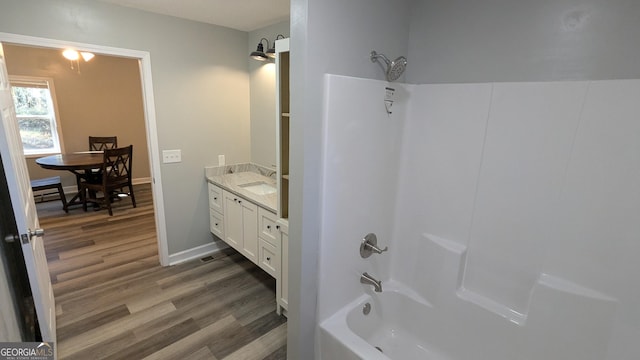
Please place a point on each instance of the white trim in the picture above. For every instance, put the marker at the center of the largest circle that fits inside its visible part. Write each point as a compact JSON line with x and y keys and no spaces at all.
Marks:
{"x":154,"y":157}
{"x":62,"y":44}
{"x":72,"y":189}
{"x":144,"y":58}
{"x":194,"y":253}
{"x":138,"y":181}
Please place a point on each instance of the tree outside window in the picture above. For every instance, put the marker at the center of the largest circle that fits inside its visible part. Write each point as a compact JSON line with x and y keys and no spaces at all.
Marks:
{"x":36,"y":113}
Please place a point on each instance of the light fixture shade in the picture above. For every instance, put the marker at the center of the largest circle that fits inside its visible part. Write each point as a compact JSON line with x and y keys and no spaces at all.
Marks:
{"x":259,"y":53}
{"x":71,"y":54}
{"x":87,"y":56}
{"x":271,"y":52}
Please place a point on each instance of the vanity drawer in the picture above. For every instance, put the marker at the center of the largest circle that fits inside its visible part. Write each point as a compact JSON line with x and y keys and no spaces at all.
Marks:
{"x":215,"y":198}
{"x":267,"y":227}
{"x":216,"y":224}
{"x":269,"y":258}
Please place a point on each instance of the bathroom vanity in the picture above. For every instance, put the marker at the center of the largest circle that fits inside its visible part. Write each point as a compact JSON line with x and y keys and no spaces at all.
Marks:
{"x":242,"y":212}
{"x":249,"y":204}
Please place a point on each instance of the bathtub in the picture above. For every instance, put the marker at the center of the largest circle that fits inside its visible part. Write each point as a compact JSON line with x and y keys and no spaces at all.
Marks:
{"x":398,"y":326}
{"x":401,"y":325}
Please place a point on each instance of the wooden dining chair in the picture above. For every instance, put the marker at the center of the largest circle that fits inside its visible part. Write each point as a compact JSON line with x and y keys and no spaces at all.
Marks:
{"x":50,"y":183}
{"x":99,"y":143}
{"x":116,"y":174}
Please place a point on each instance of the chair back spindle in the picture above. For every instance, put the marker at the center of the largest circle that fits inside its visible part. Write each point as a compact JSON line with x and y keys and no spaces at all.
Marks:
{"x":101,"y":143}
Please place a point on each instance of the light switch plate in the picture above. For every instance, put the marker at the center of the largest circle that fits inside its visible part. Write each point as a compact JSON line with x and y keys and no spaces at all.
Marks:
{"x":171,"y":156}
{"x":221,"y":161}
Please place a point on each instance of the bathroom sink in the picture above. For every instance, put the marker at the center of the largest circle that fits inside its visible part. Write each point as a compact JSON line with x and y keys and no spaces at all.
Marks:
{"x":259,"y":188}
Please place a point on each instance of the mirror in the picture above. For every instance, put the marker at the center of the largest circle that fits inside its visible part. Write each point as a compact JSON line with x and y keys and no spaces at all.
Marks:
{"x":262,"y":83}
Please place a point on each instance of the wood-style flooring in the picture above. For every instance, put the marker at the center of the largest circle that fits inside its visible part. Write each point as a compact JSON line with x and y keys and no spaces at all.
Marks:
{"x":115,"y":301}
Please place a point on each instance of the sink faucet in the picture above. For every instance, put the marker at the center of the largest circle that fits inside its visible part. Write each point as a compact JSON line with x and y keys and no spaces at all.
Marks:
{"x":369,"y":280}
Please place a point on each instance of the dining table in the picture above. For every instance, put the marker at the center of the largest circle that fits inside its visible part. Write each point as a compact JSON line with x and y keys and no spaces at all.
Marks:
{"x":81,"y":164}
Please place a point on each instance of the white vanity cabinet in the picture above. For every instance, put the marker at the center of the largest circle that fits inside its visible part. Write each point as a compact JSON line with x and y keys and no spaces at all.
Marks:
{"x":268,"y":243}
{"x":282,"y":285}
{"x":241,"y":225}
{"x":216,"y":211}
{"x":250,"y":225}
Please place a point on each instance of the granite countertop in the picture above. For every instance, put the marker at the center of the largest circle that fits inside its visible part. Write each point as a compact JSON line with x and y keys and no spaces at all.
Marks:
{"x":231,"y":179}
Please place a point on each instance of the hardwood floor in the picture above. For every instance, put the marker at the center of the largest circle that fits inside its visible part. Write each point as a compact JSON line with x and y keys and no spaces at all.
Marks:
{"x":115,"y":301}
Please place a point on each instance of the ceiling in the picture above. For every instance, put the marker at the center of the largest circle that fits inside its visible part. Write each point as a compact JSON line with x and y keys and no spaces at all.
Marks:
{"x":245,"y":15}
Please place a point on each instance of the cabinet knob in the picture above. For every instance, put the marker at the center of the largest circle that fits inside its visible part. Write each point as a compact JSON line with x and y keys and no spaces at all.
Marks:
{"x":215,"y":198}
{"x":278,"y":227}
{"x":269,"y":227}
{"x":268,"y":258}
{"x":216,"y":224}
{"x":239,"y":201}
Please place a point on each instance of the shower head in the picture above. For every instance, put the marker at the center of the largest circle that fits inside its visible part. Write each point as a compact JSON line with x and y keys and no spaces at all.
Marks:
{"x":394,"y":69}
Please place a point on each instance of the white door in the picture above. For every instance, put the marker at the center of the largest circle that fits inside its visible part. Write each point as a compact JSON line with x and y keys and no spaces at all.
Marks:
{"x":24,"y":209}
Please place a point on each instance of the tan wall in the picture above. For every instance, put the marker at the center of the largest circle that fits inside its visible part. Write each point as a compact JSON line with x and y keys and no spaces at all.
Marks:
{"x":105,"y":99}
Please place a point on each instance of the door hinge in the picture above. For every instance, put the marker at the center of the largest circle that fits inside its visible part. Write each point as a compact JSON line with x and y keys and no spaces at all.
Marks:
{"x":25,"y":238}
{"x":11,"y":238}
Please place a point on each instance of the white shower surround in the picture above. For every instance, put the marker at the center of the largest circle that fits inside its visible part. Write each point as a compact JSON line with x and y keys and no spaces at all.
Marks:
{"x":511,"y":208}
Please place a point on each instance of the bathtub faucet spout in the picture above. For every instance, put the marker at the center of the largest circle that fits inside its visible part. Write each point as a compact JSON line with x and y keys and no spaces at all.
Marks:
{"x":369,"y":280}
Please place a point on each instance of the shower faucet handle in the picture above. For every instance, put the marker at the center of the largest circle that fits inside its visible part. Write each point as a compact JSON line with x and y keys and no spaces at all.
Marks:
{"x":369,"y":245}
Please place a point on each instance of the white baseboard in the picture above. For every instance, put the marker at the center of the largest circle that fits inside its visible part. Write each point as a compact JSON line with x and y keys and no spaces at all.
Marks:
{"x":138,"y":181}
{"x":194,"y":253}
{"x":72,"y":189}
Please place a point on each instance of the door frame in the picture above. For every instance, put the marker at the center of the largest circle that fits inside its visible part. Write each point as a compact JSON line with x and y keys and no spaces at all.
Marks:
{"x":144,"y":61}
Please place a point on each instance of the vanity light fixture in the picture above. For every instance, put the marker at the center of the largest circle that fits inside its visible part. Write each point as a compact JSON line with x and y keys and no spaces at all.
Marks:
{"x":259,"y":53}
{"x":271,"y":52}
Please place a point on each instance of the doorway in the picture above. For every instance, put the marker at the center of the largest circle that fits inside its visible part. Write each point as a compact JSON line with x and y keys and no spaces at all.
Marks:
{"x":143,"y":59}
{"x":100,"y":97}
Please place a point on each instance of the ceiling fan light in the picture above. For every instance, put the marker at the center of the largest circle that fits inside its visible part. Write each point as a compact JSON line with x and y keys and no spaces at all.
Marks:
{"x":87,"y":55}
{"x":70,"y":54}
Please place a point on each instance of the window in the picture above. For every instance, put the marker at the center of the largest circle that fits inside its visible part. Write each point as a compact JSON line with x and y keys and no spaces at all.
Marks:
{"x":34,"y":99}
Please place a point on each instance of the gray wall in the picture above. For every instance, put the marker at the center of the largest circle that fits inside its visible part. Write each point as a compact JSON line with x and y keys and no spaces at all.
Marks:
{"x":201,"y":90}
{"x":262,"y":77}
{"x":503,"y":40}
{"x":327,"y":36}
